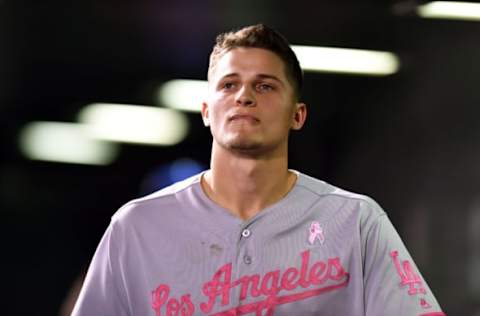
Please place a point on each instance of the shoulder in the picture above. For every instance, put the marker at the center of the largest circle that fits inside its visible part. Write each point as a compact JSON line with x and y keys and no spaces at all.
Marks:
{"x":155,"y":203}
{"x":326,"y":191}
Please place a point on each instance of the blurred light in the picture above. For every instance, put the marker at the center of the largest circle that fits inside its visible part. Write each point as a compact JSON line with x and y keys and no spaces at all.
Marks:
{"x":64,"y":142}
{"x":183,"y":168}
{"x":343,"y":60}
{"x":450,"y":10}
{"x":168,"y":174}
{"x":185,"y":95}
{"x":134,"y":123}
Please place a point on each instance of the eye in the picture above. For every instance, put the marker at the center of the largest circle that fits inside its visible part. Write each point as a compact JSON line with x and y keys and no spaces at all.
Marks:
{"x":263,"y":87}
{"x":228,"y":85}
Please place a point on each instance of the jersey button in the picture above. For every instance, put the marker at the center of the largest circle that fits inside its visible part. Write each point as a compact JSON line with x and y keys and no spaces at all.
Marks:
{"x":246,"y":233}
{"x":247,"y":259}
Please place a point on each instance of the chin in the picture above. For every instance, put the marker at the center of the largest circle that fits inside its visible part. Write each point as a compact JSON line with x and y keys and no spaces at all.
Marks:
{"x":244,"y":145}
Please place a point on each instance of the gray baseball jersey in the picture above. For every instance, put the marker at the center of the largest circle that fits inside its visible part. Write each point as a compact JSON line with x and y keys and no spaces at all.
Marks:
{"x":318,"y":251}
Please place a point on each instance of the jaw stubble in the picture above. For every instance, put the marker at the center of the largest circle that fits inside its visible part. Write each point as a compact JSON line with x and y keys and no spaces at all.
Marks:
{"x":246,"y":141}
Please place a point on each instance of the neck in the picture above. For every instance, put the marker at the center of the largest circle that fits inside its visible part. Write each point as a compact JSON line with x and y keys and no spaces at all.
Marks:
{"x":246,"y":184}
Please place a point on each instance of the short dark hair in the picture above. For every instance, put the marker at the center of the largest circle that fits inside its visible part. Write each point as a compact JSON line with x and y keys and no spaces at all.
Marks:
{"x":260,"y":36}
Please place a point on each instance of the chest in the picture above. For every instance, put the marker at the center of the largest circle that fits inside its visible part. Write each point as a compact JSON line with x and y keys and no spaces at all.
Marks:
{"x":250,"y":269}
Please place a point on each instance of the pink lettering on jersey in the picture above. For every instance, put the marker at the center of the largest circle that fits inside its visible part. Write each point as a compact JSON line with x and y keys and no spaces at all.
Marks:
{"x":272,"y":283}
{"x":329,"y":275}
{"x":160,"y":296}
{"x":219,"y":286}
{"x":407,"y":275}
{"x":272,"y":301}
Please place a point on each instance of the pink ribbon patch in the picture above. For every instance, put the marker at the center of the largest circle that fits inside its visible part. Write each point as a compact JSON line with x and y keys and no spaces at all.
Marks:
{"x":316,"y":232}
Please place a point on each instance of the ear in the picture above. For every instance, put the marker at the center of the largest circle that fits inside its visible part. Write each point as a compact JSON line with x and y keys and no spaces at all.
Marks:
{"x":206,"y":120}
{"x":299,"y":116}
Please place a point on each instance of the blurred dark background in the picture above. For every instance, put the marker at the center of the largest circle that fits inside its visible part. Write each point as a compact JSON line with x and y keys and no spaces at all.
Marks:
{"x":410,"y":140}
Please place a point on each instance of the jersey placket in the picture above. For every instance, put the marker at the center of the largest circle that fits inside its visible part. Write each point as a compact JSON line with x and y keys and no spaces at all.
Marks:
{"x":246,"y":260}
{"x":246,"y":254}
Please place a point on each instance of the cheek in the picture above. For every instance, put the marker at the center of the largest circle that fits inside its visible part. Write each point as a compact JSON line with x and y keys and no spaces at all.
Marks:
{"x":283,"y":114}
{"x":215,"y":117}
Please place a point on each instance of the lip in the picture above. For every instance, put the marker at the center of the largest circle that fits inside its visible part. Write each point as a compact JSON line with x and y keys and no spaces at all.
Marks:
{"x":243,"y":117}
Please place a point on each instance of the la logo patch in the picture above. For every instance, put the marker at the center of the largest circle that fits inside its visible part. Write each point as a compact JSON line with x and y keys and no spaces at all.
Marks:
{"x":424,"y":304}
{"x":315,"y":232}
{"x":407,"y":275}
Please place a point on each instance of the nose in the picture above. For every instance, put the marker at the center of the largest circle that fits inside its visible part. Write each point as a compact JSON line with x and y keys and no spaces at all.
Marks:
{"x":245,"y":97}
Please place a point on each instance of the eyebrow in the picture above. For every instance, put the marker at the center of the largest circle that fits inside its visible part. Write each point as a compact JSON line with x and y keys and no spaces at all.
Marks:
{"x":261,"y":76}
{"x":275,"y":78}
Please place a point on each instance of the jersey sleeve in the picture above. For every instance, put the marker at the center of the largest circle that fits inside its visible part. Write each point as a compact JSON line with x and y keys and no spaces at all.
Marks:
{"x":102,"y":293}
{"x":392,"y":282}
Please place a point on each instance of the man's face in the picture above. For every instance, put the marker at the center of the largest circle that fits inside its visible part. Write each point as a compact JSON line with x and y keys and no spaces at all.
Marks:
{"x":251,"y":106}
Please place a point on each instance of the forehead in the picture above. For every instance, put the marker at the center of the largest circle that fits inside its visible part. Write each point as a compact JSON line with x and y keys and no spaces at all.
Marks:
{"x":247,"y":61}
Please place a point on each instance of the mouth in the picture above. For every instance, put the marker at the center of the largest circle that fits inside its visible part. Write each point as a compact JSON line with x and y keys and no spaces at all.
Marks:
{"x":243,"y":117}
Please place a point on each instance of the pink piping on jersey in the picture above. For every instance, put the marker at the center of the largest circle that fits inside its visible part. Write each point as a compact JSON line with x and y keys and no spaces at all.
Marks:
{"x":434,"y":314}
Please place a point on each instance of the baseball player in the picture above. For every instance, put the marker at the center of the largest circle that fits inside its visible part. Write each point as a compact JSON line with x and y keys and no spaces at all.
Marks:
{"x":250,"y":236}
